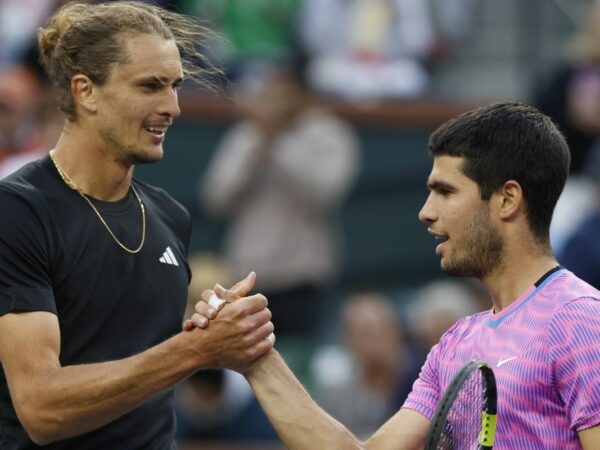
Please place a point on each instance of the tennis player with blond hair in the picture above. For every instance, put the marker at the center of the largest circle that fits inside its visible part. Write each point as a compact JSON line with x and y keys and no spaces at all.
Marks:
{"x":93,"y":271}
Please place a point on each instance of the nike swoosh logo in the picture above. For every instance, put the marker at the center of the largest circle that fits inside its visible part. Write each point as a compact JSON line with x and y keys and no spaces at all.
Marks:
{"x":503,"y":361}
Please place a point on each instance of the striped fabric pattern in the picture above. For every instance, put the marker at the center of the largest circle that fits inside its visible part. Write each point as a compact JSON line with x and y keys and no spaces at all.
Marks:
{"x":545,"y":352}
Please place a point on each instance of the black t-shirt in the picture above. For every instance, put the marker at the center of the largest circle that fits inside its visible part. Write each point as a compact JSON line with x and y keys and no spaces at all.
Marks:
{"x":56,"y":256}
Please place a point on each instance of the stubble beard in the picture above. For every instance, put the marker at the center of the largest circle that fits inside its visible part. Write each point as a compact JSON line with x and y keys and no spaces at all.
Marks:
{"x":130,"y":154}
{"x":141,"y":157}
{"x":482,"y":248}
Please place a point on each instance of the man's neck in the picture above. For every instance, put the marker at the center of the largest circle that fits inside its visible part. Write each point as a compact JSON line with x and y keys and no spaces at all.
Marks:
{"x":93,"y":170}
{"x":513,"y":278}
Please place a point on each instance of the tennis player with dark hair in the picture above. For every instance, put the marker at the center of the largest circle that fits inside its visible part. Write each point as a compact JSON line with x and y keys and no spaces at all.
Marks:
{"x":93,"y":271}
{"x":497,"y":174}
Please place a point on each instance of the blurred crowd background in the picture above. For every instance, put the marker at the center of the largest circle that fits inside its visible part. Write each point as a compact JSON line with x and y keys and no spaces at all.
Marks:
{"x":305,"y":160}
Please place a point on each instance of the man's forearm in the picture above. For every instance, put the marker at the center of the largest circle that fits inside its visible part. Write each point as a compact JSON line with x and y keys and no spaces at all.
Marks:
{"x":72,"y":400}
{"x":298,"y":420}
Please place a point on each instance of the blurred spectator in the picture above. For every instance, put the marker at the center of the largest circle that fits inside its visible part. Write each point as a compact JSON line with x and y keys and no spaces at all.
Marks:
{"x":216,"y":405}
{"x":455,"y":20}
{"x":367,"y":49}
{"x":18,"y":95}
{"x":570,"y":94}
{"x":280,"y":177}
{"x":29,"y":121}
{"x":253,"y":36}
{"x":577,"y":198}
{"x":363,"y":381}
{"x":437,"y":306}
{"x":581,"y":251}
{"x":219,"y":405}
{"x":19,"y":20}
{"x":571,"y":97}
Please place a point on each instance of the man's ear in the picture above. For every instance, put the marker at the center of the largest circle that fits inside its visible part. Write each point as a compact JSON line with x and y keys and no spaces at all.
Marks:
{"x":510,"y":200}
{"x":84,"y":92}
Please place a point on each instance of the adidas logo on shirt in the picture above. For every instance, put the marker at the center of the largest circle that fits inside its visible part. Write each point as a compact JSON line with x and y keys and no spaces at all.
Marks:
{"x":168,"y":257}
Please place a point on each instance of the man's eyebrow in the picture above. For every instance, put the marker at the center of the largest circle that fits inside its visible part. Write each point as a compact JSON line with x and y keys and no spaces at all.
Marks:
{"x":162,"y":79}
{"x":437,"y":185}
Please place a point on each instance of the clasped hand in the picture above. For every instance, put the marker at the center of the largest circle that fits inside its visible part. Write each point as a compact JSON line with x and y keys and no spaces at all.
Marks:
{"x":237,"y":306}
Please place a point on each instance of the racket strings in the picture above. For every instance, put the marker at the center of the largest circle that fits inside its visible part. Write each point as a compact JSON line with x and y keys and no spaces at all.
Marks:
{"x":464,"y":419}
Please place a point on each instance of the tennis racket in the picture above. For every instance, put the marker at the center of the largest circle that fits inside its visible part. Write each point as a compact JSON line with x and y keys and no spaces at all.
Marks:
{"x":465,"y":418}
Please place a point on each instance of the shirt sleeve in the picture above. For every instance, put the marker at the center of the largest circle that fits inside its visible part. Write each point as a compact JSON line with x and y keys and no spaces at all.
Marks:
{"x":426,"y":390}
{"x":575,"y":343}
{"x":440,"y":367}
{"x":25,"y":281}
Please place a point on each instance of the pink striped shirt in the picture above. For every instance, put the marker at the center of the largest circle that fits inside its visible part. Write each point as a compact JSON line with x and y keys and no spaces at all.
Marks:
{"x":545,"y":352}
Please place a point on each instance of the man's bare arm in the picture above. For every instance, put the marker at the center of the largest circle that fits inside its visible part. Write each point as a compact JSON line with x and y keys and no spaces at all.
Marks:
{"x":54,"y":402}
{"x":302,"y":424}
{"x":590,"y":438}
{"x":298,"y":420}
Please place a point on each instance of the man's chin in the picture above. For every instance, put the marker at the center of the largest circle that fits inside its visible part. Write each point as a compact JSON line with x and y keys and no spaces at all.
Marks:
{"x":147,"y":157}
{"x":455,"y":271}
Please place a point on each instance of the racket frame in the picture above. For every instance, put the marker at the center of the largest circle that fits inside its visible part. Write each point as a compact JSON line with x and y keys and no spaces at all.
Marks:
{"x":488,"y":407}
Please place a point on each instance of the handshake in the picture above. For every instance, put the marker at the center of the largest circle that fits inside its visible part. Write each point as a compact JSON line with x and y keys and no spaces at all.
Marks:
{"x":241,"y":333}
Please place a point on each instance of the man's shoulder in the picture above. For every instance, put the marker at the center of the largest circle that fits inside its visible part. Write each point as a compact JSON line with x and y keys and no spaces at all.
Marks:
{"x":567,"y":287}
{"x":569,"y":300}
{"x":35,"y":200}
{"x":32,"y":176}
{"x":29,"y":184}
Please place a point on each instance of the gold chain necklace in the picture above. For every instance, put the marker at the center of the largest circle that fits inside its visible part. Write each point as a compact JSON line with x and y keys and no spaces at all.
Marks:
{"x":73,"y":186}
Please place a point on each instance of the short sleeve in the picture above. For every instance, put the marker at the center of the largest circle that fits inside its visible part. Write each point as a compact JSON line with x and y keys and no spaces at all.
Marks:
{"x":425,"y":393}
{"x":25,"y":282}
{"x":575,"y":343}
